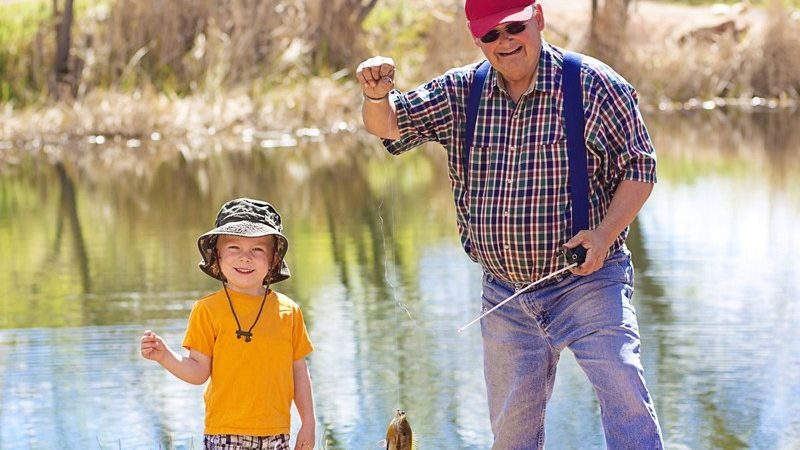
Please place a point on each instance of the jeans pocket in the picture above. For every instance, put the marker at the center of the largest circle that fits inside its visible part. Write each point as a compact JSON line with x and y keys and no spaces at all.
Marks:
{"x":620,"y":268}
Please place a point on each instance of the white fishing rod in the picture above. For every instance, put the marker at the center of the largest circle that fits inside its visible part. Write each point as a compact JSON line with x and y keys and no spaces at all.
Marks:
{"x":575,"y":257}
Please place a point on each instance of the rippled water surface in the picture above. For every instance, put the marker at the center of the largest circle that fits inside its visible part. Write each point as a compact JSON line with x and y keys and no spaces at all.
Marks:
{"x":97,"y":248}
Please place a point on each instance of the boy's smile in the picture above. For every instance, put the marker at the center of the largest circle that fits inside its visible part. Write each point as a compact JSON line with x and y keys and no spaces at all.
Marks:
{"x":245,"y":261}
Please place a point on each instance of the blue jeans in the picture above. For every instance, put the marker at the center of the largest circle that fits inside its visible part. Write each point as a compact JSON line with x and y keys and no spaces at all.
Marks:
{"x":592,"y":316}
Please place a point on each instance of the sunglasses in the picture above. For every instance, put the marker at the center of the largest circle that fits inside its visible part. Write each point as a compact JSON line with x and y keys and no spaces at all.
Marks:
{"x":512,"y":28}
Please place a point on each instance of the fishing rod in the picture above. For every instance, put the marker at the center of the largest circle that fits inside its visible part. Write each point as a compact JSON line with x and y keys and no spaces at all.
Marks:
{"x":575,"y":257}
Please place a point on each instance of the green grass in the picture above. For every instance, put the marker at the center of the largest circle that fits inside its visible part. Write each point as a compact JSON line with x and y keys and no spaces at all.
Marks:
{"x":19,"y":22}
{"x":409,"y":27}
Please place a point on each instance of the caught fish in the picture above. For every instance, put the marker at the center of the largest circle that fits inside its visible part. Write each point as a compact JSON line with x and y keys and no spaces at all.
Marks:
{"x":398,"y":435}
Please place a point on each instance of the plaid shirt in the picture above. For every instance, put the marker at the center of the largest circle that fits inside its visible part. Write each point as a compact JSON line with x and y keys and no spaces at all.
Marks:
{"x":514,"y":210}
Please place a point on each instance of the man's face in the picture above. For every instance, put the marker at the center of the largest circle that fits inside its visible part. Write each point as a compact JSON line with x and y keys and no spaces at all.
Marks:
{"x":516,"y":56}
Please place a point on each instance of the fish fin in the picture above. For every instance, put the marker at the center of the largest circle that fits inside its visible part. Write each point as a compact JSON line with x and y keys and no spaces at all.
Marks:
{"x":382,"y":444}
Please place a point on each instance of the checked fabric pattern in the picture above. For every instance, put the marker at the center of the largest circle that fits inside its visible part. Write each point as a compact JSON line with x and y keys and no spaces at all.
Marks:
{"x":512,"y":197}
{"x":237,"y":442}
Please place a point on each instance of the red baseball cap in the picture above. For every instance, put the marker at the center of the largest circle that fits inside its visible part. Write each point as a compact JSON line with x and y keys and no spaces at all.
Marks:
{"x":483,"y":15}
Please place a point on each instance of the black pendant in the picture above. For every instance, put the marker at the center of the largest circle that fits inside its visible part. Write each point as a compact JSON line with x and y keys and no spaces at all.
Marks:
{"x":248,"y":336}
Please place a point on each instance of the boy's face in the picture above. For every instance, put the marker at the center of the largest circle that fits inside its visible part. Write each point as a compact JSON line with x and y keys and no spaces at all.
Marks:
{"x":245,"y":261}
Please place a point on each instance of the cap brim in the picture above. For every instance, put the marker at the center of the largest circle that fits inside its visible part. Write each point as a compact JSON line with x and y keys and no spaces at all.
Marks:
{"x":480,"y":27}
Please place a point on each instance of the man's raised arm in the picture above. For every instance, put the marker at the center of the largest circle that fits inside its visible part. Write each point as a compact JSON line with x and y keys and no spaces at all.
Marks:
{"x":376,"y":76}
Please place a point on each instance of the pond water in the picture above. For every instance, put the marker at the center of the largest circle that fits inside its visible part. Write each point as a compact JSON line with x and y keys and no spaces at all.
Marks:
{"x":98,"y":244}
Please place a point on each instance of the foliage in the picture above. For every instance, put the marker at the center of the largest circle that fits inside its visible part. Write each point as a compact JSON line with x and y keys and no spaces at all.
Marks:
{"x":182,"y":46}
{"x":19,"y":27}
{"x":274,"y":49}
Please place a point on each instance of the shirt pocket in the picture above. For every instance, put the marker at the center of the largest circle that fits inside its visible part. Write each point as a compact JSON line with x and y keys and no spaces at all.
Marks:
{"x":486,"y":169}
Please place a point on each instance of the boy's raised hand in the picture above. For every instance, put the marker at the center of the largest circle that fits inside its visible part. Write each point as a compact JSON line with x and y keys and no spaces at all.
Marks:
{"x":152,"y":346}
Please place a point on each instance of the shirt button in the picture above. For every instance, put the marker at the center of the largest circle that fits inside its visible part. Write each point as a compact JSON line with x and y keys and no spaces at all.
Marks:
{"x":509,"y":180}
{"x":507,"y":247}
{"x":505,"y":213}
{"x":512,"y":148}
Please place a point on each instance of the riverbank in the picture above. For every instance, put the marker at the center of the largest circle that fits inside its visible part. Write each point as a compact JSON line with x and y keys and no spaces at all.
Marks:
{"x":678,"y":57}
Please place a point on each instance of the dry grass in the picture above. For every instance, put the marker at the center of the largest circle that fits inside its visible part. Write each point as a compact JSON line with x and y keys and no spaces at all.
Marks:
{"x":185,"y":67}
{"x":184,"y":46}
{"x":774,"y":72}
{"x":735,"y":52}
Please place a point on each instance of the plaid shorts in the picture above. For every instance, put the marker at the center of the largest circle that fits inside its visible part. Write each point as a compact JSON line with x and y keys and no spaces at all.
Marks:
{"x":238,"y":442}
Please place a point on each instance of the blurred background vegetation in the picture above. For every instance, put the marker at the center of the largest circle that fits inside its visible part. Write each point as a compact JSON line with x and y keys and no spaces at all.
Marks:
{"x":128,"y":67}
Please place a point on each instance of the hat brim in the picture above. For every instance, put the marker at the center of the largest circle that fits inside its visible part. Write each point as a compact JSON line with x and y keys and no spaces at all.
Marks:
{"x":244,"y":228}
{"x":206,"y":244}
{"x":480,"y":27}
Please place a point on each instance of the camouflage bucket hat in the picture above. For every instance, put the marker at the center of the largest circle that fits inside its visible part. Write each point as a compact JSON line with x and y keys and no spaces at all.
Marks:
{"x":248,"y":218}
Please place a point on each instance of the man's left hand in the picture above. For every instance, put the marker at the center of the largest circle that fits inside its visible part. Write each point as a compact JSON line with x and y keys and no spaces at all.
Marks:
{"x":596,"y":245}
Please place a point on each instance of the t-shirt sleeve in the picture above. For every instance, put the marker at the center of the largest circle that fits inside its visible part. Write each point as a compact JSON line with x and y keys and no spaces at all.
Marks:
{"x":301,"y":343}
{"x":200,"y":334}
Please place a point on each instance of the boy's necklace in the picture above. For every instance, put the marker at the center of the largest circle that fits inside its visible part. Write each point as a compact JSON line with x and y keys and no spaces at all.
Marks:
{"x":248,"y":335}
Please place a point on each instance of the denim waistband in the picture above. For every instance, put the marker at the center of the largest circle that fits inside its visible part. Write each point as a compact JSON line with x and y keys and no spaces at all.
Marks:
{"x":489,"y":278}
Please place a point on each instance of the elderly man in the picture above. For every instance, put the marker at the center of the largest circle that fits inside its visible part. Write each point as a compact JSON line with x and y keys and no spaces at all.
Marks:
{"x":528,"y":180}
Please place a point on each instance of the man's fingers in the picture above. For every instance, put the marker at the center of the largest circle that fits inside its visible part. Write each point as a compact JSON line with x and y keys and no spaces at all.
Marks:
{"x":387,"y":83}
{"x":373,"y":69}
{"x":387,"y":70}
{"x":375,"y":73}
{"x":360,"y":77}
{"x":365,"y":75}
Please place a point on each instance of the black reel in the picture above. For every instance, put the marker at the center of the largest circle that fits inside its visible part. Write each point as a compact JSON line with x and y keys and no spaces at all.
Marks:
{"x":575,"y":255}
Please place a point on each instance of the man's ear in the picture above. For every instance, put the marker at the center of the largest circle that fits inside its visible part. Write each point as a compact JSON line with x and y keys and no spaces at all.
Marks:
{"x":538,"y":15}
{"x":475,"y":40}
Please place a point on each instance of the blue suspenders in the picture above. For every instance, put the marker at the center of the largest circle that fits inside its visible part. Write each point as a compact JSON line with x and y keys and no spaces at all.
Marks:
{"x":574,"y":123}
{"x":473,"y":102}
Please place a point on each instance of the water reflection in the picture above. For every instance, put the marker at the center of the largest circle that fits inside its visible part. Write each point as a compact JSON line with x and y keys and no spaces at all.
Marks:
{"x":101,"y":244}
{"x":721,"y":289}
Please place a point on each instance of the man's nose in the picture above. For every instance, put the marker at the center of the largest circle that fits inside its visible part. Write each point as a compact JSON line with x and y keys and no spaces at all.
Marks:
{"x":505,"y":36}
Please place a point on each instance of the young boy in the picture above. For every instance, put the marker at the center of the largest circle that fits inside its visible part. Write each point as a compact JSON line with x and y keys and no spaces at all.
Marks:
{"x":248,"y":338}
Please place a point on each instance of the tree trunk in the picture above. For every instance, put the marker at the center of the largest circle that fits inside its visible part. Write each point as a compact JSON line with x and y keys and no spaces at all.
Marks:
{"x":64,"y":80}
{"x":338,"y":26}
{"x":607,"y":29}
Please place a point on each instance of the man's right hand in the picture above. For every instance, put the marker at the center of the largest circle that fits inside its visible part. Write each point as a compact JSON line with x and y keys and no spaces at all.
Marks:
{"x":376,"y":76}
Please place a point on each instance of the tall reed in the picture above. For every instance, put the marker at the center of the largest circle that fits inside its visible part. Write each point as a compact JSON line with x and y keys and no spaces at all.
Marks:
{"x":187,"y":65}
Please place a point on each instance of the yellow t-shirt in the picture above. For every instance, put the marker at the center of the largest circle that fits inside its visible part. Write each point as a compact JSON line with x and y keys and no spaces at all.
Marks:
{"x":252,"y":383}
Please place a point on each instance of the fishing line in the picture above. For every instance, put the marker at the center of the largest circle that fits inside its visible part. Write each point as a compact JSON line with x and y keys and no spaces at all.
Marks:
{"x":386,"y":275}
{"x":386,"y":260}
